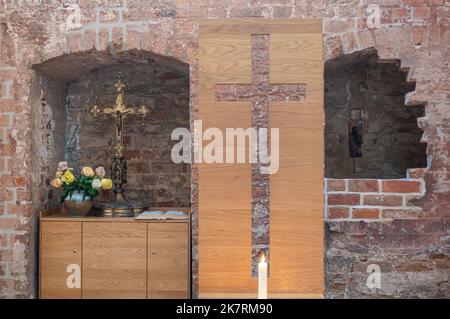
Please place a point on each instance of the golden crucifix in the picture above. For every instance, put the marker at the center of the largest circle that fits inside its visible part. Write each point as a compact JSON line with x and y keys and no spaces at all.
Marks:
{"x":119,"y":111}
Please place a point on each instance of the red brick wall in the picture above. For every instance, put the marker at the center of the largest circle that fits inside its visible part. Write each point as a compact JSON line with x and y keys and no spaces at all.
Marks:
{"x":413,"y":254}
{"x":373,"y":199}
{"x":152,"y":176}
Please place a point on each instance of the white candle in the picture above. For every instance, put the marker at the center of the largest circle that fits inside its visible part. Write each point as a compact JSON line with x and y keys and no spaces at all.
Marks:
{"x":262,"y":278}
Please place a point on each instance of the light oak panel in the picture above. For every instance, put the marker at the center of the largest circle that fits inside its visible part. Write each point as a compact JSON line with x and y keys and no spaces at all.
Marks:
{"x":226,"y":249}
{"x":60,"y":247}
{"x":296,"y":227}
{"x":114,"y":260}
{"x":223,"y":60}
{"x":298,"y":57}
{"x":296,"y":198}
{"x":168,"y":260}
{"x":255,"y":26}
{"x":224,"y":189}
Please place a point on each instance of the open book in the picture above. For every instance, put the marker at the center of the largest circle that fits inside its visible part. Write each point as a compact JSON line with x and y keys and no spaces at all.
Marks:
{"x":159,"y":214}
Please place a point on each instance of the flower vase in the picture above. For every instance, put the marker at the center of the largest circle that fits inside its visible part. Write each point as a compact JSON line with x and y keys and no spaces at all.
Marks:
{"x":77,"y":204}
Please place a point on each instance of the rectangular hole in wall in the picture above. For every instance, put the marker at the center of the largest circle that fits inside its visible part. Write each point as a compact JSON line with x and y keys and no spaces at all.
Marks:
{"x":355,"y":138}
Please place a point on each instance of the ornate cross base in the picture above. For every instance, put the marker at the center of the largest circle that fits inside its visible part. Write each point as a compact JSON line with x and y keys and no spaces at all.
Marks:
{"x":120,"y":207}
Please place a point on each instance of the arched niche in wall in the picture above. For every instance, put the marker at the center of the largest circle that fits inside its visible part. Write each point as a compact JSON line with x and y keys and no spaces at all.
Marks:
{"x":369,"y":132}
{"x":62,"y":91}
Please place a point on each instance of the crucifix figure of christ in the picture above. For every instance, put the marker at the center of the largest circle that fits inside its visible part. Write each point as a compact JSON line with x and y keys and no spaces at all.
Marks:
{"x":260,"y":93}
{"x":118,"y":112}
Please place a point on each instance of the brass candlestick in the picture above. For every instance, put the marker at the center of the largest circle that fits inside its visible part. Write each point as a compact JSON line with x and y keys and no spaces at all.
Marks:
{"x":120,"y":206}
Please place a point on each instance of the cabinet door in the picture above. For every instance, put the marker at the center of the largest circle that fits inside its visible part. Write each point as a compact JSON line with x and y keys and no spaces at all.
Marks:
{"x":114,"y":260}
{"x":60,"y":259}
{"x":168,"y":260}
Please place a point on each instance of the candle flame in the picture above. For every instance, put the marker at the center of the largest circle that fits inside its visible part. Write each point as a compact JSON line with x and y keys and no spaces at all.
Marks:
{"x":263,"y":258}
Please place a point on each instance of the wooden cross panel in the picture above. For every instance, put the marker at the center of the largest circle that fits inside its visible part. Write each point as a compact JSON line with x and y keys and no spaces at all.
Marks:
{"x":296,"y":191}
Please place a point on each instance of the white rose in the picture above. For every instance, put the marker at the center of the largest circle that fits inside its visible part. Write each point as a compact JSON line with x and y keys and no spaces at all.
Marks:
{"x":96,"y":183}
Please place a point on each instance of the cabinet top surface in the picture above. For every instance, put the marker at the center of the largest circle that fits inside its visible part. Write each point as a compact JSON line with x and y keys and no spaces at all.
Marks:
{"x":65,"y":218}
{"x":61,"y":215}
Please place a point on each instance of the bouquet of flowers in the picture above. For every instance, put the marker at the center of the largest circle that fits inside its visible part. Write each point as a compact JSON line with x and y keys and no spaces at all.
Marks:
{"x":88,"y":183}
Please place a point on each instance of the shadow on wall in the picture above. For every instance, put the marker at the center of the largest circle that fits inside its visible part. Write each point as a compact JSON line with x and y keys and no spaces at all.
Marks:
{"x":369,"y":132}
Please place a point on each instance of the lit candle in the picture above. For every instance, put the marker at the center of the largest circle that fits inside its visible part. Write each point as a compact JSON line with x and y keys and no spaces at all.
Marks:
{"x":262,"y":278}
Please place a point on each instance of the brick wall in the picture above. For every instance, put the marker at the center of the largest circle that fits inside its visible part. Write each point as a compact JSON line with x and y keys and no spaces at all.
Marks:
{"x":17,"y":225}
{"x":380,"y":222}
{"x":367,"y":94}
{"x":372,"y":199}
{"x":7,"y":75}
{"x":412,"y":253}
{"x":152,"y":175}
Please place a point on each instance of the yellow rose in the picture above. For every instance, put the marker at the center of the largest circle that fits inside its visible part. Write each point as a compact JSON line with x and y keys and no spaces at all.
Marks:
{"x":87,"y":171}
{"x":67,"y":177}
{"x":106,"y":183}
{"x":56,"y":183}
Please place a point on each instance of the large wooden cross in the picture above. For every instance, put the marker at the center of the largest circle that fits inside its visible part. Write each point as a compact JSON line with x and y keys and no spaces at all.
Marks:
{"x":260,"y":93}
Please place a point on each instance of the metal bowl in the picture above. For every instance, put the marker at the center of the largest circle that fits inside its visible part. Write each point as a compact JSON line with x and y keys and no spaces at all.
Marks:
{"x":78,"y":205}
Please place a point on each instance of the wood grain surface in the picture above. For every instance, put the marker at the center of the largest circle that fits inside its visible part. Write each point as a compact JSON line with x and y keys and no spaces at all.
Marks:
{"x":168,"y":261}
{"x":60,"y":247}
{"x":296,"y":191}
{"x":114,"y":260}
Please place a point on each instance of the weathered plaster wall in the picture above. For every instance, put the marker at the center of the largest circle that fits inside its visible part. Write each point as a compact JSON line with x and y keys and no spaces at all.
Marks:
{"x":48,"y":122}
{"x":414,"y":31}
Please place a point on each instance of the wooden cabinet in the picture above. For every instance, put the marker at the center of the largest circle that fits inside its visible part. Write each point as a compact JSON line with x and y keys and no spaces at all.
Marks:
{"x":114,"y":260}
{"x":60,"y":249}
{"x":117,"y":258}
{"x":168,"y":261}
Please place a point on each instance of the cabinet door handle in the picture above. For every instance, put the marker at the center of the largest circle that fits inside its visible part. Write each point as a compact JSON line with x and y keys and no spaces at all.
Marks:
{"x":153,"y":252}
{"x":75,"y":251}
